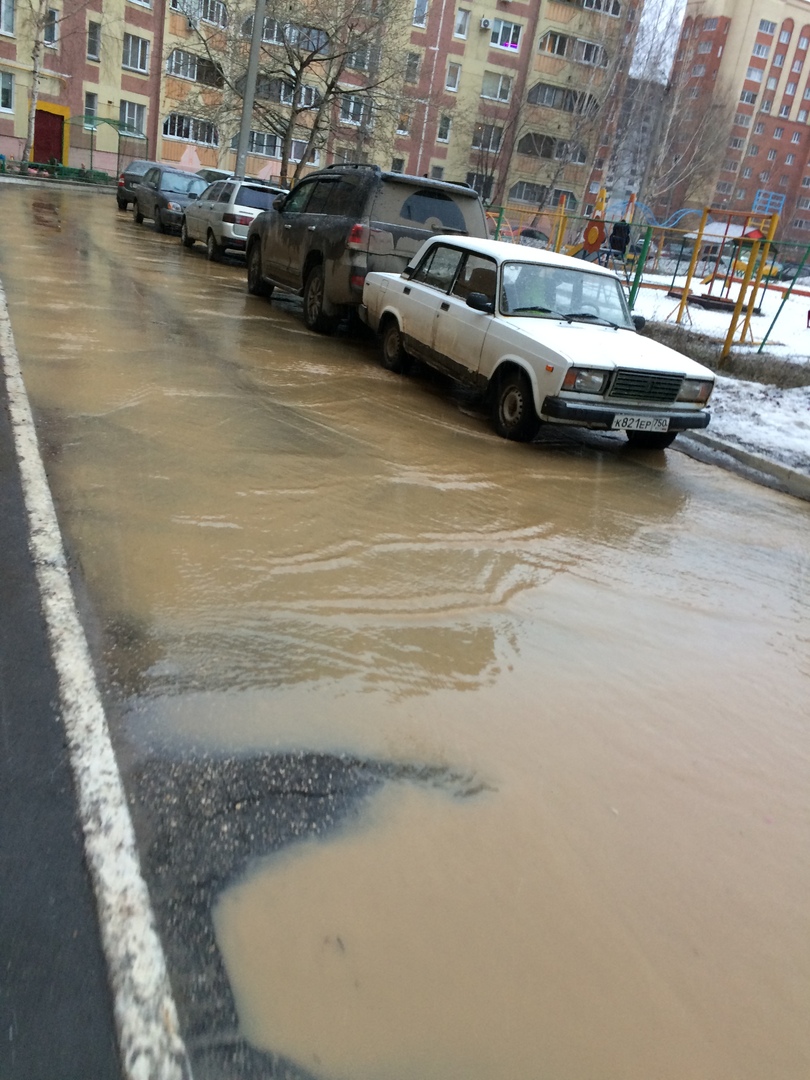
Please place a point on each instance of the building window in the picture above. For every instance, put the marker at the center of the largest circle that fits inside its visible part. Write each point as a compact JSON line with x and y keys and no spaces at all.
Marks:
{"x":364,"y":58}
{"x":462,"y":23}
{"x":802,"y":116}
{"x":784,"y":37}
{"x":189,"y":128}
{"x":536,"y":145}
{"x":766,"y":105}
{"x":797,"y":67}
{"x":753,"y":73}
{"x":554,"y":43}
{"x":704,"y":47}
{"x":800,"y":223}
{"x":778,"y":132}
{"x":725,"y":187}
{"x":6,"y":91}
{"x":505,"y":35}
{"x":49,"y":33}
{"x":746,"y":173}
{"x":806,"y":181}
{"x":487,"y":137}
{"x":748,"y":97}
{"x":412,"y":65}
{"x":183,"y":65}
{"x":90,"y":110}
{"x":607,"y":7}
{"x":784,"y":111}
{"x":136,"y":53}
{"x":779,"y":60}
{"x":214,"y":12}
{"x":759,"y":127}
{"x":586,"y":52}
{"x":133,"y":115}
{"x":740,"y":193}
{"x":496,"y":87}
{"x":420,"y":8}
{"x":481,"y":183}
{"x":736,"y":143}
{"x":527,"y":192}
{"x":803,"y":203}
{"x":741,"y":120}
{"x":6,"y":16}
{"x":796,"y":137}
{"x":355,"y":110}
{"x":783,"y":181}
{"x":709,"y":24}
{"x":397,"y":164}
{"x":771,"y":155}
{"x":699,"y":70}
{"x":453,"y":77}
{"x":730,"y":166}
{"x":761,"y":50}
{"x":93,"y":41}
{"x":404,"y":122}
{"x":445,"y":124}
{"x":753,"y":150}
{"x":766,"y":27}
{"x":771,"y":83}
{"x":436,"y":172}
{"x":790,"y":89}
{"x":803,"y":43}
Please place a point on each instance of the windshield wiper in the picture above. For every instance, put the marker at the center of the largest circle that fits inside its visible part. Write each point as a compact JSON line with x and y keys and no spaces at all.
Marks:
{"x":542,"y":311}
{"x":590,"y":317}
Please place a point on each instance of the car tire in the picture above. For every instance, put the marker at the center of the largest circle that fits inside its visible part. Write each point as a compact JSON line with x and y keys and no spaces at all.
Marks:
{"x":185,"y":239}
{"x":256,"y":284}
{"x":213,"y":250}
{"x":122,"y":203}
{"x":393,"y":354}
{"x":314,"y":315}
{"x":513,"y":412}
{"x":137,"y":216}
{"x":651,"y":440}
{"x":159,"y":226}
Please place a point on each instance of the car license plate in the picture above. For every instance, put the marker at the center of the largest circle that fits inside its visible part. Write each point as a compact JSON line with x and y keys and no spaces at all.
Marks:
{"x":628,"y":422}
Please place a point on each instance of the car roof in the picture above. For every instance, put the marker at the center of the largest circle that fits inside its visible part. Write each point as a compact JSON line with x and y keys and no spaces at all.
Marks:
{"x":502,"y":251}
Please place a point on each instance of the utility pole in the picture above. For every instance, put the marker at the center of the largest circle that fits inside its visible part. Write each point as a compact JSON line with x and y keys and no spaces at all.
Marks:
{"x":250,"y":88}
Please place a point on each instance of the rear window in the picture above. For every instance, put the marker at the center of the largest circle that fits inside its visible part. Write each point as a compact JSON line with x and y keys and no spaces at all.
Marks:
{"x":138,"y":168}
{"x":429,"y":208}
{"x":256,"y":197}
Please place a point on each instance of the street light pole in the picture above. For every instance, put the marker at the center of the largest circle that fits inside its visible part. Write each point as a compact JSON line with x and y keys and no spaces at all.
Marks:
{"x":250,"y":88}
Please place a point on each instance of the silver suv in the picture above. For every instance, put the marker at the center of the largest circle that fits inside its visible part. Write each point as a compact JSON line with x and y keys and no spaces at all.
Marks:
{"x":223,"y":212}
{"x":340,"y":223}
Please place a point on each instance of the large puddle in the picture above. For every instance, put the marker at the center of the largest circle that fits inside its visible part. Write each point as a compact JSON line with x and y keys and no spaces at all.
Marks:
{"x":289,"y":548}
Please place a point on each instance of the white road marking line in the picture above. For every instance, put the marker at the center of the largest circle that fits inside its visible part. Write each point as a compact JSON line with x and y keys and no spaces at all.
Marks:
{"x":146,"y":1017}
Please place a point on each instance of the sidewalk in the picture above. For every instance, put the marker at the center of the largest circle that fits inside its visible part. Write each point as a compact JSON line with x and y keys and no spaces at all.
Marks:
{"x":55,"y":1005}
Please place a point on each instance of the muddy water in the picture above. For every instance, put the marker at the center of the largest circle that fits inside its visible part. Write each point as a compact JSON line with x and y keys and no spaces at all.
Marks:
{"x":288,"y":548}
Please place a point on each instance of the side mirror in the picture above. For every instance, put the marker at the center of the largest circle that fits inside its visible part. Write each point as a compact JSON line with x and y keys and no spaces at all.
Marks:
{"x":278,"y":202}
{"x":407,"y":272}
{"x":639,"y":322}
{"x":193,"y":195}
{"x":479,"y":301}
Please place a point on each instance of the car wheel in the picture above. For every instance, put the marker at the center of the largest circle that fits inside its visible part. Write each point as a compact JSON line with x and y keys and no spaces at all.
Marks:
{"x":213,"y":250}
{"x":513,"y":411}
{"x":122,"y":203}
{"x":256,"y":284}
{"x":394,"y":357}
{"x":651,"y":440}
{"x":185,"y":239}
{"x":314,"y":315}
{"x":137,"y":216}
{"x":159,"y":226}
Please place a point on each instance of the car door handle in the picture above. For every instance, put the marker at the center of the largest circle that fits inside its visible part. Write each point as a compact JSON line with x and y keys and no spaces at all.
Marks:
{"x":310,"y":228}
{"x":407,"y":290}
{"x":445,"y":306}
{"x":288,"y":226}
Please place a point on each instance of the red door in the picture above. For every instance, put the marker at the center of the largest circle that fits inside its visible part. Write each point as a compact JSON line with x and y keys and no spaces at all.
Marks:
{"x":48,"y":129}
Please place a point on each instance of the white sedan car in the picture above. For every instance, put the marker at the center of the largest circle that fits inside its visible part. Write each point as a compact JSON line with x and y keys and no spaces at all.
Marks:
{"x":547,"y":338}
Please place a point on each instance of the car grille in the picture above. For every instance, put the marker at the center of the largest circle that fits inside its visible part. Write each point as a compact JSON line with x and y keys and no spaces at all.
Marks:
{"x":645,"y":386}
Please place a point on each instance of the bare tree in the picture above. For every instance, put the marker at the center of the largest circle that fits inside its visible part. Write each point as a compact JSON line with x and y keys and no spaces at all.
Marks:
{"x":322,"y":62}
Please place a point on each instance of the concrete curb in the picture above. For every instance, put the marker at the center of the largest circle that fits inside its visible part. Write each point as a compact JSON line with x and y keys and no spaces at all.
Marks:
{"x":754,"y":466}
{"x":52,"y":181}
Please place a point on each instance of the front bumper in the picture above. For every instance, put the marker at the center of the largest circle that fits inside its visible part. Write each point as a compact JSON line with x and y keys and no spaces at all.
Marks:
{"x":601,"y":416}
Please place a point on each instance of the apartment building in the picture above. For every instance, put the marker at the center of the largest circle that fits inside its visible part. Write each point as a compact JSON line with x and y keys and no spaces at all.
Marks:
{"x":516,"y":97}
{"x":748,"y":59}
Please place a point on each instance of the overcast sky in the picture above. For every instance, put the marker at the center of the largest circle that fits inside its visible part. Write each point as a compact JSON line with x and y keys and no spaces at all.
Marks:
{"x":657,"y":41}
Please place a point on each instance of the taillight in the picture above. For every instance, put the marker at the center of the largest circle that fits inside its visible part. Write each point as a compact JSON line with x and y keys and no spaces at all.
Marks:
{"x":236,"y":219}
{"x":121,"y":180}
{"x":357,"y":236}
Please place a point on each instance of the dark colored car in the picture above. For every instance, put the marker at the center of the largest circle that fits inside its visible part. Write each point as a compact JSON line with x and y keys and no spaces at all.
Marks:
{"x":340,"y":223}
{"x":130,"y":176}
{"x":163,"y":195}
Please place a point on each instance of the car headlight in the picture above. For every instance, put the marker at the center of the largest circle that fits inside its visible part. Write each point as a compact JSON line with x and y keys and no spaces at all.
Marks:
{"x":696,"y":390}
{"x":585,"y":380}
{"x":173,"y":206}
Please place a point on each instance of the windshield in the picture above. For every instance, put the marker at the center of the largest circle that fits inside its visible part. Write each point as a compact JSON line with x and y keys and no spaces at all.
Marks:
{"x":553,"y":292}
{"x":187,"y":184}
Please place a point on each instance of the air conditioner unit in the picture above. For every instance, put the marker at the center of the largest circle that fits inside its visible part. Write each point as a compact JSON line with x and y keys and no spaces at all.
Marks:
{"x":485,"y":24}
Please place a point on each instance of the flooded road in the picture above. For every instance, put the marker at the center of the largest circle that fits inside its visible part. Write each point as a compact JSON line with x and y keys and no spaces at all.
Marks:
{"x":582,"y":673}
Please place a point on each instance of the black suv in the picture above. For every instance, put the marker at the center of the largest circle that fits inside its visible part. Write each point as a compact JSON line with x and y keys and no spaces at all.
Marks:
{"x":341,"y":223}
